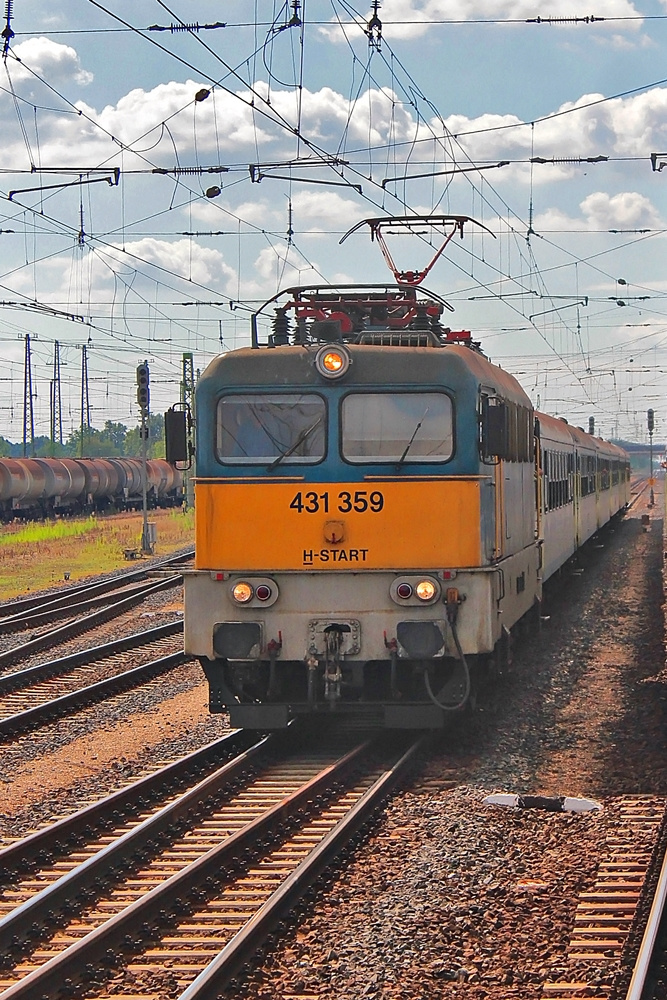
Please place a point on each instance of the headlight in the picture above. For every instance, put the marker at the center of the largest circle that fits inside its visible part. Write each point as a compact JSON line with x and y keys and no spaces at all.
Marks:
{"x":242,"y":593}
{"x":414,"y":591}
{"x":332,"y":362}
{"x":425,"y":590}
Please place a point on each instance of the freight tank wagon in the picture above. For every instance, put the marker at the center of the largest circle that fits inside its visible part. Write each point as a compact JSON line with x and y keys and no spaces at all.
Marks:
{"x":35,"y":488}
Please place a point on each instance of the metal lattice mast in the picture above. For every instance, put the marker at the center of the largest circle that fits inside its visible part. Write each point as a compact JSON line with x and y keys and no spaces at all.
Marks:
{"x":28,"y":409}
{"x":188,"y":401}
{"x":188,"y":381}
{"x":56,"y":429}
{"x":85,"y":401}
{"x":144,"y":401}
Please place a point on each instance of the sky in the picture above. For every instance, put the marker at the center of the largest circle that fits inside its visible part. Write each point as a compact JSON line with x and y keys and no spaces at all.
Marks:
{"x":165,"y":168}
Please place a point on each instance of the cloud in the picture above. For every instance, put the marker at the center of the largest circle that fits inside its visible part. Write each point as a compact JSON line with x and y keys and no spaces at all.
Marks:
{"x":375,"y":116}
{"x":625,"y":210}
{"x":312,"y":211}
{"x":157,"y":125}
{"x":222,"y":121}
{"x":602,"y":211}
{"x":315,"y":210}
{"x":279,"y":267}
{"x":623,"y":43}
{"x":591,"y":125}
{"x":139,"y":264}
{"x":221,"y":214}
{"x":165,"y":126}
{"x":50,"y":60}
{"x":164,"y":123}
{"x":185,"y":258}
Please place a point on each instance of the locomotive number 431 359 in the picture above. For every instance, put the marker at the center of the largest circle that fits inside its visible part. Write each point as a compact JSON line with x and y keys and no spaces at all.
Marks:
{"x":343,"y":502}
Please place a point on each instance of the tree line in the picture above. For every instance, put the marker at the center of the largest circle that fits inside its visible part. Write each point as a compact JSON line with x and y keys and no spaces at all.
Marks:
{"x":114,"y":440}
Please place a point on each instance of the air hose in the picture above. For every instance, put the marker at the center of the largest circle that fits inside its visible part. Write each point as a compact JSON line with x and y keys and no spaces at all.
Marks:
{"x":452,"y":612}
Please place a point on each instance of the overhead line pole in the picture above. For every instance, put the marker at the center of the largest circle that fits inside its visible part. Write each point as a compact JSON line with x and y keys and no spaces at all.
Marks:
{"x":143,"y":399}
{"x":651,"y":425}
{"x":56,"y":402}
{"x":188,"y":401}
{"x":28,"y":409}
{"x":85,"y":402}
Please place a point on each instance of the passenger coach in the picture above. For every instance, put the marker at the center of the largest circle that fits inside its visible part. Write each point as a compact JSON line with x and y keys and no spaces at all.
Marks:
{"x":376,"y":506}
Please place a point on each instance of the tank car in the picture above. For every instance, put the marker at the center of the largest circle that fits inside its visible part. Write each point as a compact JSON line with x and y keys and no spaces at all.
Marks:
{"x":372,"y":512}
{"x":41,"y":487}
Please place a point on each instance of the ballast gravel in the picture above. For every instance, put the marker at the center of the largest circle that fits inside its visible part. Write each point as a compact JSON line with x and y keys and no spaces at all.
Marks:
{"x":448,"y":897}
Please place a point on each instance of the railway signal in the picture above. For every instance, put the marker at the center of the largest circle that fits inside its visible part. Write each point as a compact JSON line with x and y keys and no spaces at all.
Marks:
{"x":143,"y":386}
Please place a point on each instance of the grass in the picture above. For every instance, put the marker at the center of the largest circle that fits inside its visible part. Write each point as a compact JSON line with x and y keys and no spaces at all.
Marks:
{"x":37,"y":556}
{"x":47,"y":532}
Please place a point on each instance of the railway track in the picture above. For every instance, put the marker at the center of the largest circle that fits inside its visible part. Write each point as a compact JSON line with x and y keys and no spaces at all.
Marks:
{"x":45,"y":691}
{"x":26,"y":611}
{"x":650,"y":958}
{"x":187,"y":891}
{"x":609,"y":921}
{"x":638,"y":488}
{"x":48,"y":637}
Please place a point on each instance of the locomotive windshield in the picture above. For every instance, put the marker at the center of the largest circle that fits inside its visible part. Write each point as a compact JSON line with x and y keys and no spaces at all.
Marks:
{"x":397,"y":427}
{"x":264,"y":428}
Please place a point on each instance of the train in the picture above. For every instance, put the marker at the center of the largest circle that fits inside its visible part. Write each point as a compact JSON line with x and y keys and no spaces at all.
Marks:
{"x":33,"y":488}
{"x":377,"y":506}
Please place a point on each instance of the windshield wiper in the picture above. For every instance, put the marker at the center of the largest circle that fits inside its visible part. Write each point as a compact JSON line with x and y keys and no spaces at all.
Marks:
{"x":292,"y":448}
{"x":410,"y":442}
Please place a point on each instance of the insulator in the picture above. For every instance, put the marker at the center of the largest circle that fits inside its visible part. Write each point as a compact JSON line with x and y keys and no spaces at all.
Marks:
{"x":588,"y":19}
{"x":421,"y":321}
{"x":281,"y":328}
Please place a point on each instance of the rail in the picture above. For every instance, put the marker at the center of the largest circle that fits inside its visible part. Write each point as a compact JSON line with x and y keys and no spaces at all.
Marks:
{"x":119,"y":806}
{"x":247,"y":941}
{"x":72,"y":628}
{"x":643,"y":961}
{"x":53,"y":601}
{"x":54,"y":668}
{"x":283,"y":810}
{"x":92,"y":693}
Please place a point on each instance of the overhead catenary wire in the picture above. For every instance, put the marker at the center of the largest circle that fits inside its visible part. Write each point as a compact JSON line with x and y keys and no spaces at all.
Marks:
{"x":276,"y":234}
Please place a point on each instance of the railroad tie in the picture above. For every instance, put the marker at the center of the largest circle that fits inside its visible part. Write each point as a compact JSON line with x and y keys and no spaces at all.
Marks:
{"x":605,"y":914}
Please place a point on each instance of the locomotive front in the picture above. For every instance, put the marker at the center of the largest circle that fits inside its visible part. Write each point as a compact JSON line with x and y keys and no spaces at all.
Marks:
{"x":349,"y":552}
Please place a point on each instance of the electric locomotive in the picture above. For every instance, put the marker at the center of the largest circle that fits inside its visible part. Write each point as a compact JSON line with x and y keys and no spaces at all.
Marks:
{"x":371,"y":510}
